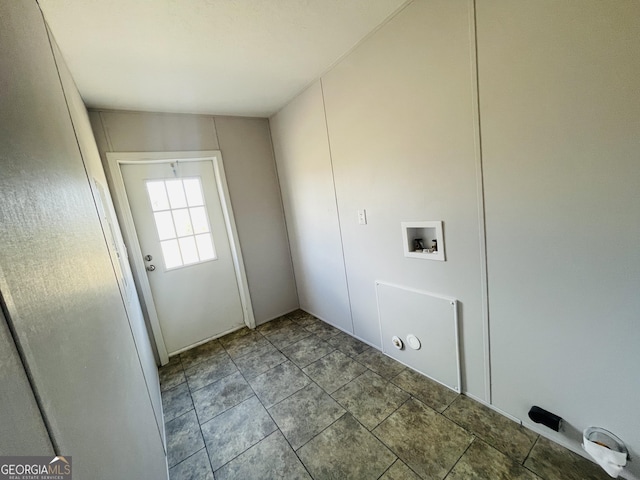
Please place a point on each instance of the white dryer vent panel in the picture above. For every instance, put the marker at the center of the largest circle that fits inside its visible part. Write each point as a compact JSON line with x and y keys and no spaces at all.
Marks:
{"x":432,"y":319}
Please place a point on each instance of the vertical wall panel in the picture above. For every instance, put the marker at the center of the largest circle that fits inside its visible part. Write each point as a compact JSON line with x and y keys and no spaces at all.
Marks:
{"x":253,"y":185}
{"x":159,"y":132}
{"x":19,"y":413}
{"x":560,"y":114}
{"x":98,"y":180}
{"x":306,"y":179}
{"x":57,"y":281}
{"x":401,"y":127}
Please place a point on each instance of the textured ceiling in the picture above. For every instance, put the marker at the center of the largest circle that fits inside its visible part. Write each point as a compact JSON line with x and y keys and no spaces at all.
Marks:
{"x":235,"y":57}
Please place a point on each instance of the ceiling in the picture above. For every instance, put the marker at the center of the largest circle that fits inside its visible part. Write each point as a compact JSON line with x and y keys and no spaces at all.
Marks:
{"x":228,"y":57}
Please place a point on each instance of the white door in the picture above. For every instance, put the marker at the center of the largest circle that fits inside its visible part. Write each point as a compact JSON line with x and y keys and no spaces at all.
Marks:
{"x":181,"y":229}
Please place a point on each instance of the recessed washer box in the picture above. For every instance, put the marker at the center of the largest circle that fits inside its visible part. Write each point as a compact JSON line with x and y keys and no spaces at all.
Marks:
{"x":426,"y":235}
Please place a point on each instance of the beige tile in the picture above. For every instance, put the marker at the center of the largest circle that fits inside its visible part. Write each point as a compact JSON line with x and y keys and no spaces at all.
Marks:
{"x":424,"y":389}
{"x":483,"y":462}
{"x":507,"y":436}
{"x":427,"y":442}
{"x":554,"y":462}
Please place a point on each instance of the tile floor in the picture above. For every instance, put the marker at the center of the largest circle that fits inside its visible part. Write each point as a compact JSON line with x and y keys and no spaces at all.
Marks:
{"x":299,"y":399}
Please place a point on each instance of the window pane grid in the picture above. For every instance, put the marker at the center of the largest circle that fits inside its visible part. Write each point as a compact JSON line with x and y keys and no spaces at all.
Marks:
{"x":181,"y":221}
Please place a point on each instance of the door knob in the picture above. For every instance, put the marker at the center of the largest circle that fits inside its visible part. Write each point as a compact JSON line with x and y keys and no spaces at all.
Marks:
{"x":148,"y":258}
{"x":151,"y":268}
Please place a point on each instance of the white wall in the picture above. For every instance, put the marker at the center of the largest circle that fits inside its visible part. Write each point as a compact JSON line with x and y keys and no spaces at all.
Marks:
{"x":246,"y":148}
{"x":400,"y":121}
{"x":59,"y":290}
{"x":253,"y":186}
{"x":560,"y":112}
{"x":113,"y":236}
{"x":559,"y":104}
{"x":306,"y":180}
{"x":19,"y":412}
{"x":401,"y":127}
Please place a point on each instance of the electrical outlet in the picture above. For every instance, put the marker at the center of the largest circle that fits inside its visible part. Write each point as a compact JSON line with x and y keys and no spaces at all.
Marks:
{"x":362,"y":217}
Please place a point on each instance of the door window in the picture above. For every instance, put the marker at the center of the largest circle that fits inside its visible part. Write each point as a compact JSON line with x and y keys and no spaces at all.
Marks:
{"x":181,"y":221}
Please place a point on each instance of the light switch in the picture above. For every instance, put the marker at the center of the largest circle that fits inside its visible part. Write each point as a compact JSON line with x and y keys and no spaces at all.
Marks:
{"x":362,"y":217}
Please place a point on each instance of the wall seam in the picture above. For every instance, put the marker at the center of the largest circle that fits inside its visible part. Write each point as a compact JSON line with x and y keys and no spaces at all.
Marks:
{"x":105,"y":132}
{"x":477,"y":127}
{"x":21,"y":355}
{"x":215,"y":132}
{"x":284,"y":214}
{"x":335,"y":196}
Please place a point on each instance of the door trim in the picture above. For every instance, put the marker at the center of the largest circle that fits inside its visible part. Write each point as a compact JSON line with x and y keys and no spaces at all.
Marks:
{"x":114,"y":162}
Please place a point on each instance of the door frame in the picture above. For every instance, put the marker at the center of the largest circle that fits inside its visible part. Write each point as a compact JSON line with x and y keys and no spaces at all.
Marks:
{"x":114,"y":162}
